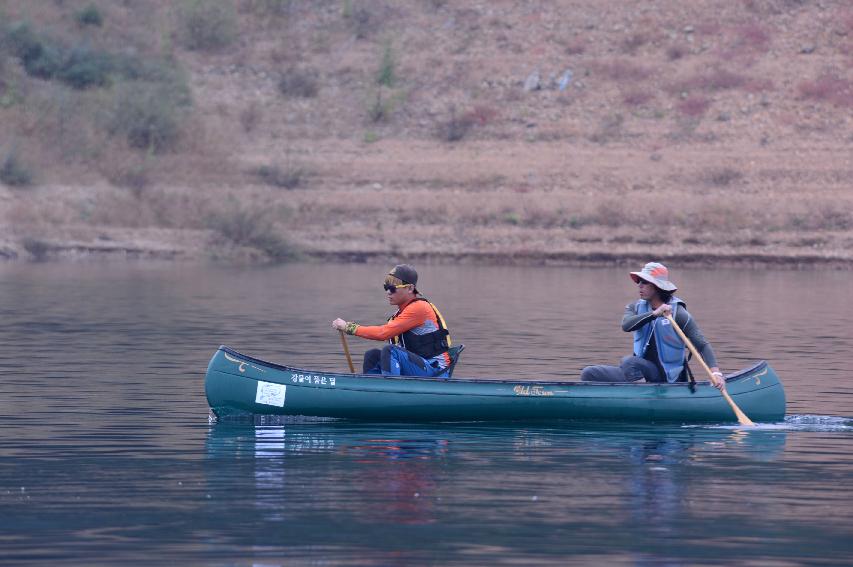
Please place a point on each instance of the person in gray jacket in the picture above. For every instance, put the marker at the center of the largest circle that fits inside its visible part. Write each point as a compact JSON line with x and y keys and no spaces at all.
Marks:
{"x":659,"y":354}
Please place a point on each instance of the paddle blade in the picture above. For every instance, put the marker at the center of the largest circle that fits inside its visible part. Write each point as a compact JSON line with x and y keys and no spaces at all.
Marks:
{"x":741,"y":417}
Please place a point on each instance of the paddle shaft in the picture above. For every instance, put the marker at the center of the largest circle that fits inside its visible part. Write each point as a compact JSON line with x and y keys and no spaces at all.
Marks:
{"x":346,"y":351}
{"x":741,"y":417}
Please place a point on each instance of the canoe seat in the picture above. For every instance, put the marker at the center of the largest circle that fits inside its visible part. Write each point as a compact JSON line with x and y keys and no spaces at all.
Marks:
{"x":454,"y":353}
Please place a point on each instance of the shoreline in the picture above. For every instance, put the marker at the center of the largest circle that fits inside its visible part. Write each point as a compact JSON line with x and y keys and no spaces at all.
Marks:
{"x":106,"y":253}
{"x":593,"y":259}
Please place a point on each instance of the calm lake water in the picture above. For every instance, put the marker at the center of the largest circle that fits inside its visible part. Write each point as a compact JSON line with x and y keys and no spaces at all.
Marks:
{"x":107,"y":456}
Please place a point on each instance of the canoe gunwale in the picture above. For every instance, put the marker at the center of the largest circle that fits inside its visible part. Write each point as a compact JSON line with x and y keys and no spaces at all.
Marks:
{"x":734,"y":377}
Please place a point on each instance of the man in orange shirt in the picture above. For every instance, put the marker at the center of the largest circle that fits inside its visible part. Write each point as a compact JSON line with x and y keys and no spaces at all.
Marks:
{"x":417,"y":334}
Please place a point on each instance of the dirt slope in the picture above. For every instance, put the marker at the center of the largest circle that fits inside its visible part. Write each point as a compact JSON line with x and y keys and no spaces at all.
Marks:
{"x":562,"y":131}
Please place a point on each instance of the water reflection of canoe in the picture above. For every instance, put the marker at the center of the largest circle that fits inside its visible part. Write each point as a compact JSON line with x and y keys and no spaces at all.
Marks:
{"x":237,"y":384}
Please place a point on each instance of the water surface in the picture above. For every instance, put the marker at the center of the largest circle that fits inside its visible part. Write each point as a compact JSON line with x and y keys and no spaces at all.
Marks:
{"x":106,"y":454}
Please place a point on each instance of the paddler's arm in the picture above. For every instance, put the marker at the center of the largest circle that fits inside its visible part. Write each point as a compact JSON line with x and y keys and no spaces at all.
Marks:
{"x":411,"y":317}
{"x":631,"y":321}
{"x":691,"y":329}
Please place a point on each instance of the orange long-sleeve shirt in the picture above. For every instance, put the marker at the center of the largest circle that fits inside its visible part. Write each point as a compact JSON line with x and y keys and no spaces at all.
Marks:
{"x":410,"y":316}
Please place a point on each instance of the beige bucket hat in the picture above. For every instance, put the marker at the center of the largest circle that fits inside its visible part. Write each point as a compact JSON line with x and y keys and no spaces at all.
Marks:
{"x":655,"y":273}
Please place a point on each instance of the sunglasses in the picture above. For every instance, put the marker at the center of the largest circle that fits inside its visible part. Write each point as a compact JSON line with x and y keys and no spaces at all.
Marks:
{"x":391,"y":288}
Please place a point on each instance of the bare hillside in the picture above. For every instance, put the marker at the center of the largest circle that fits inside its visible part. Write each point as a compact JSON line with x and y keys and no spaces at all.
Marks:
{"x":563,"y":131}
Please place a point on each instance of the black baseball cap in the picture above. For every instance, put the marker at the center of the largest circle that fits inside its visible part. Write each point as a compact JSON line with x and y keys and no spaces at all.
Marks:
{"x":405,"y":273}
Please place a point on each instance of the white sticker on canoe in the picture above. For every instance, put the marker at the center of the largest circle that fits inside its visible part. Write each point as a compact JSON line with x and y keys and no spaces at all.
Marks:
{"x":270,"y":394}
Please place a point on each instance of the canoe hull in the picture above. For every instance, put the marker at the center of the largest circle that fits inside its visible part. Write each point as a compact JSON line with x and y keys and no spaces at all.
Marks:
{"x":237,"y":385}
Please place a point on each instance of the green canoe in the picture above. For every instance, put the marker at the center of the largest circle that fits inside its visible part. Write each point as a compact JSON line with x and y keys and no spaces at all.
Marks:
{"x":238,"y":385}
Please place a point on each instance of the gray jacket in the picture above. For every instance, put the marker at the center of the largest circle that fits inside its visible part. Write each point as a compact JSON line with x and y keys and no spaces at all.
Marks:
{"x":631,"y":321}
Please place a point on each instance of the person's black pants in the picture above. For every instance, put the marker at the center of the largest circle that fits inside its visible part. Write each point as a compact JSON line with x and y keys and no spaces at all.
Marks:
{"x":632,"y":369}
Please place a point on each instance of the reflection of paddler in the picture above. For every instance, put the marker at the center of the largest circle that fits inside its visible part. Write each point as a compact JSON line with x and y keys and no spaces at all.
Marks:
{"x":659,"y":487}
{"x":658,"y":491}
{"x":417,"y":334}
{"x":399,"y":485}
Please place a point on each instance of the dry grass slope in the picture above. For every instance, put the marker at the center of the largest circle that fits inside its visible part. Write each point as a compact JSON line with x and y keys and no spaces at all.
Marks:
{"x":573,"y":130}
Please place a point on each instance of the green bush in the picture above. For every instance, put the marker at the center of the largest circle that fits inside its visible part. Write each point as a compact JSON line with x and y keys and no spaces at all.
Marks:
{"x":38,"y":249}
{"x":155,"y":71}
{"x":84,"y":67}
{"x":13,"y":172}
{"x":7,"y":83}
{"x":255,"y":229}
{"x":270,"y":7}
{"x":149,"y":107}
{"x":274,"y":175}
{"x":39,"y":57}
{"x":148,"y":115}
{"x":135,"y":177}
{"x":206,"y":24}
{"x":89,"y":16}
{"x":298,"y":83}
{"x":80,"y":66}
{"x":379,"y":110}
{"x":363,"y":21}
{"x":456,"y":127}
{"x":387,"y":75}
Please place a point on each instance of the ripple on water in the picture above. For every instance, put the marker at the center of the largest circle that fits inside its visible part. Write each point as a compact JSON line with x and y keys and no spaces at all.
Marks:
{"x":107,"y":457}
{"x":808,"y":423}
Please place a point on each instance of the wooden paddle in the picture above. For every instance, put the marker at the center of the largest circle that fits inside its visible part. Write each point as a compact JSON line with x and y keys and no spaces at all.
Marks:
{"x":741,"y":417}
{"x":346,"y":351}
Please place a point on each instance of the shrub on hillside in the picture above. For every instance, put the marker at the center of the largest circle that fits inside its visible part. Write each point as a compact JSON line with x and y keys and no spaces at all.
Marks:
{"x":40,"y":58}
{"x":675,"y":52}
{"x":362,"y":20}
{"x":148,"y":115}
{"x":135,"y":178}
{"x":610,"y":128}
{"x":153,"y":70}
{"x":89,"y":16}
{"x":822,"y":217}
{"x":633,"y":42}
{"x":38,"y":249}
{"x":387,"y":75}
{"x":80,"y":66}
{"x":298,"y":83}
{"x":274,"y":175}
{"x":379,"y":109}
{"x":250,"y":117}
{"x":13,"y":172}
{"x":4,"y":75}
{"x":456,"y":127}
{"x":722,"y":177}
{"x":269,"y":7}
{"x":206,"y":24}
{"x":84,"y":67}
{"x":253,"y":228}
